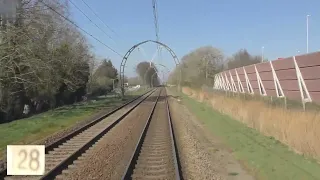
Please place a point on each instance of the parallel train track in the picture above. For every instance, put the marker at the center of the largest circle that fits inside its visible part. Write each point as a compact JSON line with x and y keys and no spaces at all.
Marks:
{"x":61,"y":153}
{"x":155,"y":155}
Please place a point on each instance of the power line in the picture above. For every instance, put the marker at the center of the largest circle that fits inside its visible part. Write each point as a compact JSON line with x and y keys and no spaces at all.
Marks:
{"x":155,"y":15}
{"x":96,"y":16}
{"x":105,"y":24}
{"x":99,"y":17}
{"x":81,"y":29}
{"x":90,"y":19}
{"x":156,"y":24}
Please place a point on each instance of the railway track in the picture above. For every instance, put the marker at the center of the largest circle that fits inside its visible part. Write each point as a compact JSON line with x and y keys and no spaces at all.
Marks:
{"x":62,"y":153}
{"x":155,"y":155}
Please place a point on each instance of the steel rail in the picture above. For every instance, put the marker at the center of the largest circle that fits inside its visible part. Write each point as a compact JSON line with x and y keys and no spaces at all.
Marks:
{"x":67,"y":161}
{"x":60,"y":141}
{"x":137,"y":152}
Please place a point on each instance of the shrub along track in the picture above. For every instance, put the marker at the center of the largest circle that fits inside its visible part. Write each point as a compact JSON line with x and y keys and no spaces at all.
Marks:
{"x":62,"y":153}
{"x":155,"y":155}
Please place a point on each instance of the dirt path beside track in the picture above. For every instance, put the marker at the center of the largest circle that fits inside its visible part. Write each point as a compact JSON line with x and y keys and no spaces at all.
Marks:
{"x":202,"y":155}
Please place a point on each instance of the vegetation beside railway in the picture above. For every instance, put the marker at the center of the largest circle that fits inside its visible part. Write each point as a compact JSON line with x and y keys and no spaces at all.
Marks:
{"x":254,"y":130}
{"x":264,"y":156}
{"x":29,"y":130}
{"x":45,"y":62}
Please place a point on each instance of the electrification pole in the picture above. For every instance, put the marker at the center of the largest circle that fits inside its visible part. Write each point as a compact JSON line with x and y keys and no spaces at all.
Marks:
{"x":308,"y":33}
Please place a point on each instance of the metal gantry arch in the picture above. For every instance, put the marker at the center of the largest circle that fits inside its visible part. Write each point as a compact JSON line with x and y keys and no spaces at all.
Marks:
{"x":153,"y":66}
{"x":168,"y":70}
{"x":126,"y":56}
{"x":162,"y":66}
{"x":156,"y":71}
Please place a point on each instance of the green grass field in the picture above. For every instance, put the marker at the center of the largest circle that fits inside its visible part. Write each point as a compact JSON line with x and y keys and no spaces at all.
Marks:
{"x":264,"y":156}
{"x":28,"y":130}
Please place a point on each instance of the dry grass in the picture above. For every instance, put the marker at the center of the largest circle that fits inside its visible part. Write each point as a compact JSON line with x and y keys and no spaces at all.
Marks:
{"x":299,"y":130}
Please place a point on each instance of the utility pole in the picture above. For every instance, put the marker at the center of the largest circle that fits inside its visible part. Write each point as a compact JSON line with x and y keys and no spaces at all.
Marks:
{"x":262,"y":56}
{"x":308,"y":33}
{"x":207,"y":60}
{"x":207,"y":69}
{"x":156,"y":24}
{"x":163,"y":78}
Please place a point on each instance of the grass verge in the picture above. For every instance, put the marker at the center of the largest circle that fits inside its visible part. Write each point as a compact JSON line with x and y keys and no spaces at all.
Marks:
{"x":26,"y":131}
{"x":266,"y":157}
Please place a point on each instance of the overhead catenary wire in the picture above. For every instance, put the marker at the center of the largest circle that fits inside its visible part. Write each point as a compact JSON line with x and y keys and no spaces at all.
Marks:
{"x":156,"y":24}
{"x":142,"y":52}
{"x":155,"y":16}
{"x":99,"y":18}
{"x":73,"y":23}
{"x":105,"y":24}
{"x":140,"y":48}
{"x":90,"y":20}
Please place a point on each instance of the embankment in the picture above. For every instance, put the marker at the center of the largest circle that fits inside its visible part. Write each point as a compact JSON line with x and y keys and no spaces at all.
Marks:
{"x":295,"y":128}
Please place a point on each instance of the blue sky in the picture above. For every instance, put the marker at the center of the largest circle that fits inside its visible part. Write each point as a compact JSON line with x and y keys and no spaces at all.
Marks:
{"x":278,"y":25}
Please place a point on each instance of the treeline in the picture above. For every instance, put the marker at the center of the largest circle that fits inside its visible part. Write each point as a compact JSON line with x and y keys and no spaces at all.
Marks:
{"x":198,"y":67}
{"x":45,"y":62}
{"x":146,"y":75}
{"x":104,"y":79}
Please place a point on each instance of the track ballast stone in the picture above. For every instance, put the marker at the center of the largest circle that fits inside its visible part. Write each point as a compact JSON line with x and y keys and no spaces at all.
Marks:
{"x":57,"y":155}
{"x":155,"y":160}
{"x":202,"y":155}
{"x":107,"y":158}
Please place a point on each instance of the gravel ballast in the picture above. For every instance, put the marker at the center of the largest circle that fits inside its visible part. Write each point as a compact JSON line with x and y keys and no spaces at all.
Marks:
{"x":202,"y":156}
{"x":156,"y":158}
{"x":108,"y":158}
{"x":56,"y":136}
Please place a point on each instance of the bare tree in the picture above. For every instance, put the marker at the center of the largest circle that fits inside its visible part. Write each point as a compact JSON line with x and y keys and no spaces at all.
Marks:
{"x":145,"y":70}
{"x":44,"y":61}
{"x":199,"y":66}
{"x":242,"y":58}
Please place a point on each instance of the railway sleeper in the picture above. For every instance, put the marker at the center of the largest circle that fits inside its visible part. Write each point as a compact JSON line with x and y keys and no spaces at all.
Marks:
{"x":169,"y":174}
{"x":153,"y":171}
